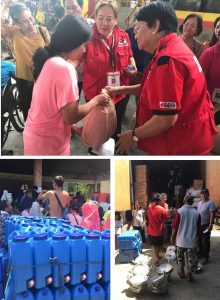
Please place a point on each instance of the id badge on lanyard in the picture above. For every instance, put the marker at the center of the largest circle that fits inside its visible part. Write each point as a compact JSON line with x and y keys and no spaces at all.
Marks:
{"x":113,"y":78}
{"x":216,"y":96}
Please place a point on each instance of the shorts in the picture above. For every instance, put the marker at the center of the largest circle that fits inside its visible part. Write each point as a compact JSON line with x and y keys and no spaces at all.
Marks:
{"x":156,"y":240}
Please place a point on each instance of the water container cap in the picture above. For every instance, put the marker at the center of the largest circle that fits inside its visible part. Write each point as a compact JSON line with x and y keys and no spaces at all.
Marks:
{"x":59,"y":236}
{"x":20,"y":238}
{"x":66,"y":221}
{"x":40,"y":236}
{"x":25,"y":225}
{"x":66,"y":226}
{"x":36,"y":220}
{"x":76,"y":235}
{"x":92,"y":236}
{"x":106,"y":236}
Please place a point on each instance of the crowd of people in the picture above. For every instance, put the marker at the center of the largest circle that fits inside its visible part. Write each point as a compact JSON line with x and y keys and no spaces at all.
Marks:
{"x":106,"y":57}
{"x":28,"y":202}
{"x":190,"y":229}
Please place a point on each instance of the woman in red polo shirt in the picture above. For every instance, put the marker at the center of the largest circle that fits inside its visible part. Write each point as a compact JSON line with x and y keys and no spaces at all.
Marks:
{"x":175,"y":113}
{"x":107,"y":58}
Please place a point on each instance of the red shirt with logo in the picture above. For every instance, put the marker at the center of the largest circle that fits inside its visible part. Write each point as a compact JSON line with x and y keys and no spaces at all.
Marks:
{"x":98,"y":62}
{"x":173,"y":84}
{"x":156,"y":220}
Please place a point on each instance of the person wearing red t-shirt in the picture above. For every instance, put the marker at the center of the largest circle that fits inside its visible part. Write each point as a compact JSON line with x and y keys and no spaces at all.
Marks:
{"x":175,"y":115}
{"x":156,"y":220}
{"x":107,"y":58}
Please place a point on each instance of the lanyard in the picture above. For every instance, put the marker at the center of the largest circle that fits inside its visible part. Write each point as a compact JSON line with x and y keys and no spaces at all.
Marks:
{"x":111,"y":51}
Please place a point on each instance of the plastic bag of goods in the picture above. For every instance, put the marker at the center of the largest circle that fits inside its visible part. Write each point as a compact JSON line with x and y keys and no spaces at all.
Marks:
{"x":99,"y":125}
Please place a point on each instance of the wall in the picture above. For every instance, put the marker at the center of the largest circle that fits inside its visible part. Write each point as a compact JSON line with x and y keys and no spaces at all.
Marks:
{"x":122,"y":185}
{"x":105,"y":186}
{"x":213,"y":179}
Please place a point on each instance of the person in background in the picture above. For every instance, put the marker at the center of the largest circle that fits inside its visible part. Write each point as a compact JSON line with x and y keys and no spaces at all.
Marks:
{"x":177,"y":107}
{"x":206,"y":208}
{"x":210,"y":63}
{"x":156,"y":219}
{"x":74,"y":215}
{"x":54,"y":104}
{"x":5,"y":211}
{"x":118,"y":222}
{"x":59,"y":10}
{"x":91,"y":219}
{"x":191,"y":27}
{"x":107,"y":220}
{"x":26,"y":38}
{"x":40,"y":14}
{"x":109,"y":49}
{"x":185,"y":230}
{"x":7,"y":71}
{"x":75,"y":7}
{"x":163,"y":201}
{"x":27,"y":198}
{"x":55,"y":208}
{"x":26,"y":204}
{"x":139,"y":220}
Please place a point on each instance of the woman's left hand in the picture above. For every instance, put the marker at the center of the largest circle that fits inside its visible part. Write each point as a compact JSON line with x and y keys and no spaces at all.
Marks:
{"x":125,"y":142}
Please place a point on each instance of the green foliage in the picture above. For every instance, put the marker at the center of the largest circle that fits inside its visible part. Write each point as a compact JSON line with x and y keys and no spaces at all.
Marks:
{"x":87,"y":189}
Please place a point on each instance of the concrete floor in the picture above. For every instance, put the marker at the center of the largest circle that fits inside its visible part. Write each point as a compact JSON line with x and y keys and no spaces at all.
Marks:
{"x":15,"y":142}
{"x":205,"y":286}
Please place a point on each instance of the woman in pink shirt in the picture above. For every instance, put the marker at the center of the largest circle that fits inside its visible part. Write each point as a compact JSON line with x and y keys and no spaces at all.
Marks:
{"x":91,"y":218}
{"x":54,"y":104}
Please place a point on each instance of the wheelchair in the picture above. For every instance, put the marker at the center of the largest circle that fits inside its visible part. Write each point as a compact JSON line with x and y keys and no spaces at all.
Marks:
{"x":11,"y":114}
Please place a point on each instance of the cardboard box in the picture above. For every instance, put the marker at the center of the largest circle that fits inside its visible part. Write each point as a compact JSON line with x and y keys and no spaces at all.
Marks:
{"x":197,"y":184}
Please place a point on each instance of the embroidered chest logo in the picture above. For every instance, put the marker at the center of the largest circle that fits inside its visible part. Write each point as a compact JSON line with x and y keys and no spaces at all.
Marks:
{"x":170,"y":105}
{"x":122,"y":43}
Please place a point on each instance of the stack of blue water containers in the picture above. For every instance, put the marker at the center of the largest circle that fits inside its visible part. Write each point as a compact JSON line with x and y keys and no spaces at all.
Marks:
{"x":50,"y":259}
{"x":130,"y":245}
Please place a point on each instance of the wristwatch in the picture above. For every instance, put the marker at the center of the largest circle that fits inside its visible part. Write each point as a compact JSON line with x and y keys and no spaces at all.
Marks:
{"x":135,"y":138}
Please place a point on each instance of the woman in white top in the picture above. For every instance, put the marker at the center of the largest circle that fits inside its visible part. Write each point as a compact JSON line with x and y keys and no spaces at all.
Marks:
{"x":74,"y":215}
{"x":138,"y":221}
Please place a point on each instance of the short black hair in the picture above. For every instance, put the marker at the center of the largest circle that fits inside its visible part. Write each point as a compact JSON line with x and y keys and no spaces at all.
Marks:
{"x":59,"y":181}
{"x":189,"y":200}
{"x":199,"y":23}
{"x":157,"y":197}
{"x":159,"y":10}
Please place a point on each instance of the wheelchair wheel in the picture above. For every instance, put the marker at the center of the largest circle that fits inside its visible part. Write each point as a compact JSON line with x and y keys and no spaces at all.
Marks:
{"x":16,"y":115}
{"x":5,"y":128}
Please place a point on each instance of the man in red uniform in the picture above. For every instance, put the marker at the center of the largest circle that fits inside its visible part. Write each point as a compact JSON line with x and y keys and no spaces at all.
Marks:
{"x":156,"y":219}
{"x":175,"y":113}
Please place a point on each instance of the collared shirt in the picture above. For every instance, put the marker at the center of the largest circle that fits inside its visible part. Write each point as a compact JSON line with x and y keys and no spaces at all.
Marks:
{"x":97,"y":63}
{"x":173,"y":83}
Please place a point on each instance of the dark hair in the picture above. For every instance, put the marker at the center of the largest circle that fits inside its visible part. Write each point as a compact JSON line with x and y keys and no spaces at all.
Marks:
{"x":189,"y":200}
{"x":205,"y":191}
{"x":162,"y":11}
{"x":59,"y":181}
{"x":80,"y":3}
{"x":74,"y":206}
{"x":4,"y":204}
{"x":199,"y":23}
{"x":157,"y":197}
{"x":70,"y":32}
{"x":16,"y":10}
{"x":214,"y":39}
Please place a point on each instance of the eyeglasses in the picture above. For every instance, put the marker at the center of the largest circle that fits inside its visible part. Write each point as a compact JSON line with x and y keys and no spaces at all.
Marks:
{"x":194,"y":26}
